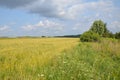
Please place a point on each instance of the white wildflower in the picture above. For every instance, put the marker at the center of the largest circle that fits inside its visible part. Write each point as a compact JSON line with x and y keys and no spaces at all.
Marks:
{"x":42,"y":75}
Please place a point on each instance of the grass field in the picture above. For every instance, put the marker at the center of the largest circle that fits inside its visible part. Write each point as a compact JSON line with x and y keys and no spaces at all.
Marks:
{"x":59,"y":59}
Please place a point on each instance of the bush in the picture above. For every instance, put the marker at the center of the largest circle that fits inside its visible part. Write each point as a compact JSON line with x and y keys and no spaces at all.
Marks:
{"x":108,"y":35}
{"x":89,"y":36}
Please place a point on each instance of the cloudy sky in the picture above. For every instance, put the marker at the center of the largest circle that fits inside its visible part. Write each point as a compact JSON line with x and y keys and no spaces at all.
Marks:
{"x":56,"y":17}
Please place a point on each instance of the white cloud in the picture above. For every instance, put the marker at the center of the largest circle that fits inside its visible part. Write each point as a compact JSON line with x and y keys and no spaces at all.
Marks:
{"x":81,"y":27}
{"x":4,"y":28}
{"x":115,"y":26}
{"x":46,"y":24}
{"x":90,"y":8}
{"x":29,"y":27}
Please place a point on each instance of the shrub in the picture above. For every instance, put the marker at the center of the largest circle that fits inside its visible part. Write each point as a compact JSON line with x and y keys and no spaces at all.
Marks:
{"x":89,"y":36}
{"x":108,"y":35}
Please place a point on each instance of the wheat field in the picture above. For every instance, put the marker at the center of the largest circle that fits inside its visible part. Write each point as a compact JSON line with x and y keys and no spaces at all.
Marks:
{"x":19,"y":56}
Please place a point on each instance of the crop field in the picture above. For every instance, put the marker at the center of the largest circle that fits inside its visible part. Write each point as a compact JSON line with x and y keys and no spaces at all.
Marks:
{"x":20,"y":57}
{"x":59,"y":59}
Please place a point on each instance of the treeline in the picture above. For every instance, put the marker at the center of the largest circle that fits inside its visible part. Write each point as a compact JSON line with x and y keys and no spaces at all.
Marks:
{"x":69,"y":36}
{"x":117,"y":35}
{"x":64,"y":36}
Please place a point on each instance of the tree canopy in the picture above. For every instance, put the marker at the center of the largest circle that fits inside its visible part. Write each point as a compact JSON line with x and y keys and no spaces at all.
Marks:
{"x":99,"y":27}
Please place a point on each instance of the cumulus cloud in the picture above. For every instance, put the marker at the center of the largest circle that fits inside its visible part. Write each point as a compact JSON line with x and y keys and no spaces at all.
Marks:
{"x":4,"y":28}
{"x":51,"y":8}
{"x":45,"y":24}
{"x":84,"y":12}
{"x":70,"y":9}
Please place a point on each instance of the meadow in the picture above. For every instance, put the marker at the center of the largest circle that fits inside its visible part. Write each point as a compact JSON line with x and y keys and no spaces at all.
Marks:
{"x":59,"y":59}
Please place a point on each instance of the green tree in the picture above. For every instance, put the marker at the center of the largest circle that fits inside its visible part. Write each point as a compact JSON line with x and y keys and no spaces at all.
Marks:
{"x":99,"y":27}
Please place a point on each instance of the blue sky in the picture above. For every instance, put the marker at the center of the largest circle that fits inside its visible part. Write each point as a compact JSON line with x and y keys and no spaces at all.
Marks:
{"x":56,"y":17}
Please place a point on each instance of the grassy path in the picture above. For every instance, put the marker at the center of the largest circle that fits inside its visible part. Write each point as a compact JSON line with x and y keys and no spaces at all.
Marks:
{"x":87,"y":61}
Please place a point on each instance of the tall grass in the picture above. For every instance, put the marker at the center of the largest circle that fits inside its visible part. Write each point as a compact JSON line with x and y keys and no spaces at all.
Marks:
{"x":19,"y":58}
{"x":59,"y":59}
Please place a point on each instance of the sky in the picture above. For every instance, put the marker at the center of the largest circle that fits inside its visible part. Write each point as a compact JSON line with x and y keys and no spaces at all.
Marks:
{"x":56,"y":17}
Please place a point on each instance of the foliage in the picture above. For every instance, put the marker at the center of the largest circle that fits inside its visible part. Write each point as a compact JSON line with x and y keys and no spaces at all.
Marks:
{"x":99,"y":27}
{"x":117,"y":35}
{"x":108,"y":35}
{"x":89,"y":36}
